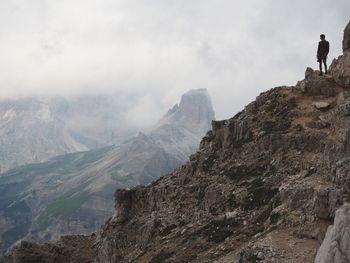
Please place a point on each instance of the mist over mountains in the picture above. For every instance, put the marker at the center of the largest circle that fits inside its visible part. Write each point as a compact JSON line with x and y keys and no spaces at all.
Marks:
{"x":73,"y":193}
{"x":36,"y":129}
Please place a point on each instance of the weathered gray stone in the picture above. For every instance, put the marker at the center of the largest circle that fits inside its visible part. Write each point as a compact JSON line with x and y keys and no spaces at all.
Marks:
{"x":315,"y":85}
{"x":308,"y":72}
{"x":326,"y":201}
{"x":340,"y":70}
{"x":146,"y":233}
{"x":335,"y":247}
{"x":321,"y":105}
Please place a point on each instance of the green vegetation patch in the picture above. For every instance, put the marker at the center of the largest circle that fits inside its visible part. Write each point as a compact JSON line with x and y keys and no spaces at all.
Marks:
{"x":74,"y":161}
{"x":161,"y":257}
{"x":63,"y":164}
{"x":64,"y":205}
{"x":92,"y":156}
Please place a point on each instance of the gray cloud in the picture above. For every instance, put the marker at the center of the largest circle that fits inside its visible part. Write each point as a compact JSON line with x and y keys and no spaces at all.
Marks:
{"x":156,"y":50}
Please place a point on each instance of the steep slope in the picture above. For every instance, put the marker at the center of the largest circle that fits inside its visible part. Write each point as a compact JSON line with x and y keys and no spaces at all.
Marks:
{"x":73,"y":193}
{"x":36,"y":129}
{"x":247,"y":194}
{"x":263,"y":187}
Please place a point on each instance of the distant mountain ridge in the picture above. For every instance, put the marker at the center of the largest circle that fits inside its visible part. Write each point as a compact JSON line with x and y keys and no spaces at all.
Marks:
{"x":73,"y":193}
{"x":36,"y":129}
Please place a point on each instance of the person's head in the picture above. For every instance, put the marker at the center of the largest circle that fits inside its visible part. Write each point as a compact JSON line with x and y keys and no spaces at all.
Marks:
{"x":323,"y":37}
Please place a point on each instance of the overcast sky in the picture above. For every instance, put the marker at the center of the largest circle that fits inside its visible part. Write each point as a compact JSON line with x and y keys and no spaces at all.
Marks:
{"x":159,"y":49}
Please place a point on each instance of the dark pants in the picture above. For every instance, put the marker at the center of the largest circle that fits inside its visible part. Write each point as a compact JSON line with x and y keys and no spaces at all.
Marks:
{"x":322,"y":59}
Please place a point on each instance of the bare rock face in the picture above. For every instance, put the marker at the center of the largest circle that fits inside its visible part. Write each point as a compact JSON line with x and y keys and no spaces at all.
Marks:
{"x":194,"y":112}
{"x":315,"y":85}
{"x":340,"y":68}
{"x":335,"y":247}
{"x":346,"y":39}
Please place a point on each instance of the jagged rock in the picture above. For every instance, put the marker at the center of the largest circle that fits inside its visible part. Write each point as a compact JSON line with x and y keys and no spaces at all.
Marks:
{"x":326,"y":201}
{"x":346,"y":39}
{"x":315,"y":85}
{"x":341,"y":177}
{"x":340,"y":70}
{"x":146,"y":233}
{"x":335,"y":247}
{"x":123,"y":203}
{"x":308,"y":72}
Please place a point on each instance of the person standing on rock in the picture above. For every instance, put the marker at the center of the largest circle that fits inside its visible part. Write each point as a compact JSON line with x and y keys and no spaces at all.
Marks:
{"x":322,"y":52}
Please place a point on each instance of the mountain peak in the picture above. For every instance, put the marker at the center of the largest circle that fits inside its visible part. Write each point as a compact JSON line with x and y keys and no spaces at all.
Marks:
{"x":194,"y":112}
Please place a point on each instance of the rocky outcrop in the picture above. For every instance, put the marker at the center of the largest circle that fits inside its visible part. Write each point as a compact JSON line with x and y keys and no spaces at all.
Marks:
{"x":346,"y":39}
{"x":194,"y":112}
{"x":315,"y":86}
{"x":340,"y":68}
{"x":335,"y":247}
{"x":253,"y":175}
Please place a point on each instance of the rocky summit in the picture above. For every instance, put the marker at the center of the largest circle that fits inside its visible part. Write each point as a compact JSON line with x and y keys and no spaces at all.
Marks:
{"x":270,"y":184}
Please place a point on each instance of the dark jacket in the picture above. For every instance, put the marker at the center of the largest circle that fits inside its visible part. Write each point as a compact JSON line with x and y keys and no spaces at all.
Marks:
{"x":323,"y":49}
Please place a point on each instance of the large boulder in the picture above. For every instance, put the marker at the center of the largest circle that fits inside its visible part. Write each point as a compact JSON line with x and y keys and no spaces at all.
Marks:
{"x":346,"y":39}
{"x":340,"y":68}
{"x":314,"y":85}
{"x":335,"y":247}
